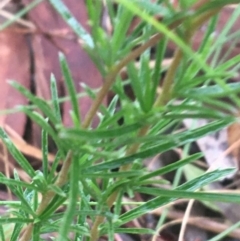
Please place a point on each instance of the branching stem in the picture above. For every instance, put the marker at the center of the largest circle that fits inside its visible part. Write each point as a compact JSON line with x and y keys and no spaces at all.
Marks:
{"x":109,"y":80}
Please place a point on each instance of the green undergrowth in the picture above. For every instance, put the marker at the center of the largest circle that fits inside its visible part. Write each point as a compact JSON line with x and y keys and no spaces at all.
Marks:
{"x":101,"y":165}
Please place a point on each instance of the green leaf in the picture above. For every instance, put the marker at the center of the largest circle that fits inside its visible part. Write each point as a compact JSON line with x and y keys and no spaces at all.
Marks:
{"x":172,"y":142}
{"x":45,"y":153}
{"x":184,"y":111}
{"x":17,"y":155}
{"x":129,"y":159}
{"x":51,"y":208}
{"x":202,"y":196}
{"x":212,"y":91}
{"x":37,"y":118}
{"x":8,"y":182}
{"x":41,"y":104}
{"x":4,"y":220}
{"x":218,"y":43}
{"x":36,"y":232}
{"x":194,"y":134}
{"x":73,"y":196}
{"x":70,"y":86}
{"x":216,"y":104}
{"x":73,"y":22}
{"x":221,"y":235}
{"x":121,"y":183}
{"x":160,"y":201}
{"x":55,"y":99}
{"x":78,"y":134}
{"x":153,"y":7}
{"x":228,"y":64}
{"x":136,"y":85}
{"x":25,"y":206}
{"x":145,"y":80}
{"x":192,"y":171}
{"x":160,"y":52}
{"x":16,"y":231}
{"x":105,"y":175}
{"x":2,"y":236}
{"x":16,"y":177}
{"x":208,"y":40}
{"x":171,"y":167}
{"x":58,"y":157}
{"x":80,"y":230}
{"x":135,"y":230}
{"x":57,"y":190}
{"x":40,"y":181}
{"x":121,"y":25}
{"x":118,"y":203}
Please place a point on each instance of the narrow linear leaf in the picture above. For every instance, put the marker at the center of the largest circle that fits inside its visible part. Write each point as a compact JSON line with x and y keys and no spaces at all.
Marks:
{"x":70,"y":86}
{"x":135,"y":83}
{"x":197,"y":115}
{"x":221,"y":235}
{"x":172,"y":166}
{"x":135,"y":230}
{"x":4,"y":220}
{"x":55,"y":99}
{"x":202,"y":196}
{"x":14,"y":203}
{"x":16,"y":177}
{"x":153,"y":7}
{"x":2,"y":236}
{"x":57,"y":190}
{"x":45,"y":153}
{"x":17,"y":155}
{"x":145,"y":81}
{"x":37,"y":118}
{"x":39,"y":103}
{"x":214,"y":91}
{"x":70,"y":212}
{"x":78,"y":134}
{"x":24,"y":204}
{"x":16,"y":232}
{"x":55,"y":163}
{"x":122,"y":22}
{"x":207,"y":40}
{"x":73,"y":22}
{"x":112,"y":174}
{"x":176,"y":140}
{"x":8,"y":182}
{"x":197,"y":133}
{"x":160,"y":201}
{"x":110,"y":230}
{"x":205,"y":179}
{"x":129,"y":159}
{"x":160,"y":52}
{"x":118,"y":184}
{"x":36,"y":232}
{"x":82,"y":230}
{"x":55,"y":203}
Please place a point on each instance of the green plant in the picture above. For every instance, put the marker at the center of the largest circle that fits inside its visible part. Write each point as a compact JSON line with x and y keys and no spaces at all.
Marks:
{"x":101,"y":165}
